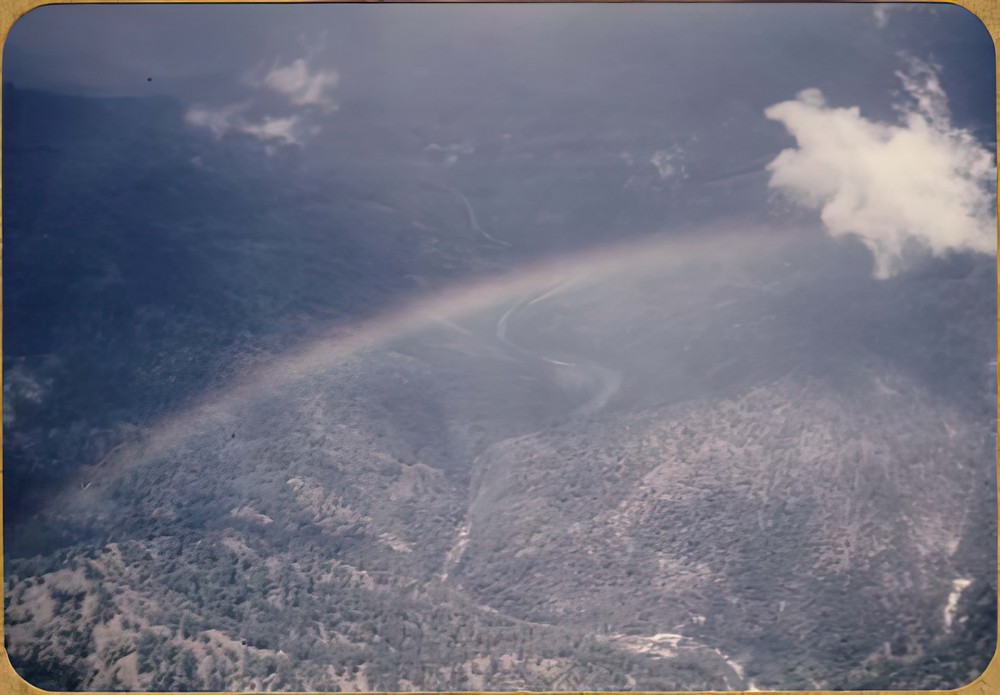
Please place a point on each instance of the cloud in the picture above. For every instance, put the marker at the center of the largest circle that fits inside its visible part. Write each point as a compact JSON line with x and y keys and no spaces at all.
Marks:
{"x":661,"y":160}
{"x":216,"y":120}
{"x":905,"y":189}
{"x":274,"y":129}
{"x":667,"y":163}
{"x":230,"y":118}
{"x":301,"y":86}
{"x":286,"y":119}
{"x":927,"y":97}
{"x":881,"y":13}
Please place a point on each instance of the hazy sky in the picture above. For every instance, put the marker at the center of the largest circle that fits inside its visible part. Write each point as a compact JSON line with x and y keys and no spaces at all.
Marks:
{"x":195,"y":51}
{"x":884,"y":102}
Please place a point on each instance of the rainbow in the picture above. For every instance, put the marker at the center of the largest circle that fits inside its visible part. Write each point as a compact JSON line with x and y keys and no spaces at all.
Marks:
{"x":533,"y":283}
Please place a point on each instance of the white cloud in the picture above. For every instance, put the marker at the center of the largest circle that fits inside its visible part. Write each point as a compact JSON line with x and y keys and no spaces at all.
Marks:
{"x":302,"y":86}
{"x":273,"y":129}
{"x":921,"y":185}
{"x":669,"y":163}
{"x":926,"y":95}
{"x":216,"y":120}
{"x":661,"y":160}
{"x":285,"y":121}
{"x":230,"y":118}
{"x":881,"y":14}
